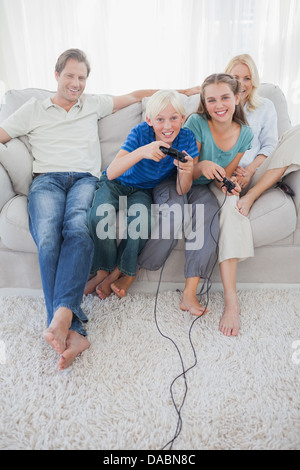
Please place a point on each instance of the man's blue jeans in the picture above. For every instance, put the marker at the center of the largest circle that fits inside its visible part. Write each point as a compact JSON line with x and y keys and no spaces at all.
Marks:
{"x":57,"y":206}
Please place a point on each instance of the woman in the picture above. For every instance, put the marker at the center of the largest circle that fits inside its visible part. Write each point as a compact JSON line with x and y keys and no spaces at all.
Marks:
{"x":269,"y":160}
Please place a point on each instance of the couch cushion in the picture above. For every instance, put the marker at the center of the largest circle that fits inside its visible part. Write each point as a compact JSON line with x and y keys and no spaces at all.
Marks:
{"x":273,"y":217}
{"x":114,"y":129}
{"x":7,"y":191}
{"x":13,"y":99}
{"x":14,"y":226}
{"x":274,"y":93}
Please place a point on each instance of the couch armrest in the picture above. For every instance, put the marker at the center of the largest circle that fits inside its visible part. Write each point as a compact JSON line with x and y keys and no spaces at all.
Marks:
{"x":7,"y":191}
{"x":293,"y":180}
{"x":17,"y":161}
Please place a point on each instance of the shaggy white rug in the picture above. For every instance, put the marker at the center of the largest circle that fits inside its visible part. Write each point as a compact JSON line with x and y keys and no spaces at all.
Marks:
{"x":243,"y":393}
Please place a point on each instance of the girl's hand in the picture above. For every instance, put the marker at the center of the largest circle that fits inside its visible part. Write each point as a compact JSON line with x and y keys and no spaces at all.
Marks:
{"x":211,"y":170}
{"x":236,"y":191}
{"x":185,"y":167}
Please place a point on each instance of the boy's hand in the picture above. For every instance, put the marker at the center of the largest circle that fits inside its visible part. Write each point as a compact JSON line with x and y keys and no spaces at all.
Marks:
{"x":185,"y":167}
{"x":152,"y":151}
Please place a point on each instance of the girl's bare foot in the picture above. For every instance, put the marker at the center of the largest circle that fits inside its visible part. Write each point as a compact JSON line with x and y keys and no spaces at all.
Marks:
{"x":230,"y":321}
{"x":94,"y":282}
{"x":121,"y":286}
{"x":75,"y":345}
{"x":190,"y":303}
{"x":57,"y":332}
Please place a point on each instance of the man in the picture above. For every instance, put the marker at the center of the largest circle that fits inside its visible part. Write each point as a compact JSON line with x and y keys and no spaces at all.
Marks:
{"x":63,"y":134}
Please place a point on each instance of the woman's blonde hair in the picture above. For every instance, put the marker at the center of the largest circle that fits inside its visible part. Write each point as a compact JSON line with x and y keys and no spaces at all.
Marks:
{"x":246,"y":59}
{"x":161,"y":99}
{"x":235,"y":86}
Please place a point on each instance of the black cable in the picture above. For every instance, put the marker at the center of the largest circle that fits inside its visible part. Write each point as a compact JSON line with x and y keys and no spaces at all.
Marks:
{"x":184,"y":371}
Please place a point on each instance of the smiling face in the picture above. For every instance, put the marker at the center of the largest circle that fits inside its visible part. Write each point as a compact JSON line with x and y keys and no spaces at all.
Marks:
{"x":70,"y":82}
{"x":166,"y":124}
{"x":220,"y":102}
{"x":243,"y":74}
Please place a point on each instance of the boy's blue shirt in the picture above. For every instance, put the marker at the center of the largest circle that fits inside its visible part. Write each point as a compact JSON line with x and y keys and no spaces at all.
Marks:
{"x":147,"y":173}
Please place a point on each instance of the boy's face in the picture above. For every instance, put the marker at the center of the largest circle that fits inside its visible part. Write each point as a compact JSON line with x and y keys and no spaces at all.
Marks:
{"x":166,"y":124}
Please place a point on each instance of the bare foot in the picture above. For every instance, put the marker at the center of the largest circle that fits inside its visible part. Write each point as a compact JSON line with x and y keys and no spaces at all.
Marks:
{"x":121,"y":286}
{"x":94,"y":281}
{"x":245,"y":203}
{"x":76,"y":344}
{"x":230,"y":321}
{"x":104,"y":288}
{"x":57,"y":332}
{"x":190,"y":303}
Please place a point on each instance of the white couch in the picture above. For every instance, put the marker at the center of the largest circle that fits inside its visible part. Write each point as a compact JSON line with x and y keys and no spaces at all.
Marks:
{"x":274,"y":217}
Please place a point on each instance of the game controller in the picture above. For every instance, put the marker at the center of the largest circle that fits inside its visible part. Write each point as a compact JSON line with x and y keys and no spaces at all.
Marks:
{"x":174,"y":153}
{"x":227,"y":183}
{"x":285,"y":188}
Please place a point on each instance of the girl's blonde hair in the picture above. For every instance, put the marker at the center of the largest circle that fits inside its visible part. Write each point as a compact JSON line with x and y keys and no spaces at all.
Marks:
{"x":235,"y":86}
{"x":246,"y":59}
{"x":160,"y":100}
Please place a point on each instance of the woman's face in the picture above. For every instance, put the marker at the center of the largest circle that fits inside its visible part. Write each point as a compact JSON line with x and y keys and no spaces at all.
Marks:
{"x":242,"y":73}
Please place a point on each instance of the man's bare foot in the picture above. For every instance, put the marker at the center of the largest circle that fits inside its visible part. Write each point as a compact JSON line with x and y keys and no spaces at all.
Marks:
{"x":57,"y":332}
{"x":190,"y":303}
{"x":76,"y":344}
{"x":230,"y":321}
{"x":245,"y":203}
{"x":121,"y":286}
{"x":94,"y":282}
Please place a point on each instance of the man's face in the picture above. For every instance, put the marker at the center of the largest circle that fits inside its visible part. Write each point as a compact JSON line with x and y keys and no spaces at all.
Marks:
{"x":71,"y":81}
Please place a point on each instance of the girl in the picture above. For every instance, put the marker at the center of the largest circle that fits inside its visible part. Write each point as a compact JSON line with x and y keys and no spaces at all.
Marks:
{"x":222,"y":137}
{"x":139,"y":166}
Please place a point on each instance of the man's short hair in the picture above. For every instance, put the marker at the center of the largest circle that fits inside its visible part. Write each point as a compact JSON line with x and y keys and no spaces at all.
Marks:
{"x":76,"y":54}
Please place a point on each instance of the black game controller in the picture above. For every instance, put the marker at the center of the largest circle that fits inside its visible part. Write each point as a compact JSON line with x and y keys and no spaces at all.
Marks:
{"x":174,"y":153}
{"x":285,"y":188}
{"x":227,"y":183}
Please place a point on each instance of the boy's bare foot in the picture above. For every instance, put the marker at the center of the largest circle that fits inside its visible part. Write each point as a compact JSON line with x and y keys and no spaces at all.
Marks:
{"x":94,"y":282}
{"x":76,"y":344}
{"x":230,"y":321}
{"x":190,"y":303}
{"x":245,"y":203}
{"x":104,"y":288}
{"x":121,"y":285}
{"x":57,"y":332}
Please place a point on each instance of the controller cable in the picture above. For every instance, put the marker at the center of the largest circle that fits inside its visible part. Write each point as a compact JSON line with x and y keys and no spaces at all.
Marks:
{"x":185,"y":370}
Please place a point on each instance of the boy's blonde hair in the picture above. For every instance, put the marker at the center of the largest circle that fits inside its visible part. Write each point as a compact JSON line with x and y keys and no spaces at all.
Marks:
{"x":160,"y":100}
{"x":246,"y":59}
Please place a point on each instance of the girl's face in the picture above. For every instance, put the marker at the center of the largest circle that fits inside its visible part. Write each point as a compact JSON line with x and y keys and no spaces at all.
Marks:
{"x":166,"y":124}
{"x":220,"y":102}
{"x":242,"y":73}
